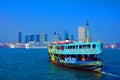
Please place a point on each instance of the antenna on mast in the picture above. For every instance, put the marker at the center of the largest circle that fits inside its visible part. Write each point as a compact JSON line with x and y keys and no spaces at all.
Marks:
{"x":55,"y":36}
{"x":87,"y":32}
{"x":87,"y":23}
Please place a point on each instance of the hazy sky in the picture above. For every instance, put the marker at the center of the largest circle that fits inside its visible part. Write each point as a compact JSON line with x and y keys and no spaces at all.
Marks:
{"x":48,"y":16}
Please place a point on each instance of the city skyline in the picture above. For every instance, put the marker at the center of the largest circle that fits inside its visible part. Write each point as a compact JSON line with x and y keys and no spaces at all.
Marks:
{"x":23,"y":38}
{"x":32,"y":17}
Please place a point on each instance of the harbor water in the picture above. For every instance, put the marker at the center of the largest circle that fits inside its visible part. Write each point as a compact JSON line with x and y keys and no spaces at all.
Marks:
{"x":34,"y":64}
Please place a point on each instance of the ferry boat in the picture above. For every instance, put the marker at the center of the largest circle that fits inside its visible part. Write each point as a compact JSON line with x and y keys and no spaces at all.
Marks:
{"x":80,"y":55}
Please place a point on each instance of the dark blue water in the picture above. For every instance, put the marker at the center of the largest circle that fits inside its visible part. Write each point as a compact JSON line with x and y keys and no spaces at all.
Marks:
{"x":33,"y":64}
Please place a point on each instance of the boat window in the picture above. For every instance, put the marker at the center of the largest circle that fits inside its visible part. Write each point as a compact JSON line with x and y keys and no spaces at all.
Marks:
{"x":91,"y":57}
{"x":70,"y":47}
{"x":94,"y":58}
{"x":56,"y":55}
{"x":51,"y":47}
{"x":88,"y":46}
{"x":76,"y":46}
{"x":84,"y":46}
{"x":80,"y":46}
{"x":86,"y":57}
{"x":73,"y":56}
{"x":73,"y":46}
{"x":58,"y":47}
{"x":62,"y":47}
{"x":66,"y":47}
{"x":82,"y":57}
{"x":94,"y":46}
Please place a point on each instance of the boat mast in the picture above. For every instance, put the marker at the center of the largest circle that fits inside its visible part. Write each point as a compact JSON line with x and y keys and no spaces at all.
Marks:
{"x":87,"y":32}
{"x":55,"y":36}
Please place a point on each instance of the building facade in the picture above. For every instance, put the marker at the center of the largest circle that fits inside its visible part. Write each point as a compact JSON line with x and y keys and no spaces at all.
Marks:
{"x":66,"y":36}
{"x":43,"y":37}
{"x":19,"y":37}
{"x":32,"y":38}
{"x":36,"y":38}
{"x":81,"y":34}
{"x":27,"y":38}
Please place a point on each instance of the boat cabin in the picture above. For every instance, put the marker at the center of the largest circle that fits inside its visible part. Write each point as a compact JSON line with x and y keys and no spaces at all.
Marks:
{"x":81,"y":51}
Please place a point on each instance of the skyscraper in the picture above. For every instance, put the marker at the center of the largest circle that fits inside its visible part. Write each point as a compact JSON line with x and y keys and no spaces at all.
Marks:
{"x":27,"y":38}
{"x":19,"y":37}
{"x":66,"y":35}
{"x":43,"y":37}
{"x":32,"y":38}
{"x":37,"y":38}
{"x":81,"y":34}
{"x":87,"y":32}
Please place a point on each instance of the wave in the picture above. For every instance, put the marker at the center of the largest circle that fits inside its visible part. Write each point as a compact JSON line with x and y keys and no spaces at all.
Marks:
{"x":111,"y":74}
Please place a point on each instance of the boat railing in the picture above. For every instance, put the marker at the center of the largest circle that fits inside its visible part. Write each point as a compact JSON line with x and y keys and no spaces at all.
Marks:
{"x":82,"y":51}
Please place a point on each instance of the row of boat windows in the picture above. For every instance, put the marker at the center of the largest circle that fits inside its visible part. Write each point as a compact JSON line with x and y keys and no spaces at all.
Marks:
{"x":80,"y":57}
{"x":75,"y":47}
{"x":80,"y":46}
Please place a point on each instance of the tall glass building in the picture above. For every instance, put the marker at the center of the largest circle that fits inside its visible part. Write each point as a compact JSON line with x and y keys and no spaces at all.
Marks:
{"x":66,"y":36}
{"x":43,"y":37}
{"x":19,"y":37}
{"x":37,"y":38}
{"x":27,"y":38}
{"x":32,"y":38}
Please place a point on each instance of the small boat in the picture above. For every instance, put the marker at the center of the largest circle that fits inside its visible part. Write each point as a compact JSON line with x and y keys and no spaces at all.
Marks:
{"x":80,"y":55}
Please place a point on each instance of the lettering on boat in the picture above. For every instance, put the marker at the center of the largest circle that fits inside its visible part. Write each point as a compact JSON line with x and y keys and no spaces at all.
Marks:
{"x":70,"y":60}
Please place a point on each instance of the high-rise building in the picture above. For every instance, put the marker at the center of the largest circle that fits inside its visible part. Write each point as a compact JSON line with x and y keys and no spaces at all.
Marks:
{"x":87,"y":32}
{"x":32,"y":38}
{"x":19,"y":37}
{"x":27,"y":38}
{"x":66,"y":35}
{"x":81,"y":34}
{"x":38,"y":38}
{"x":43,"y":37}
